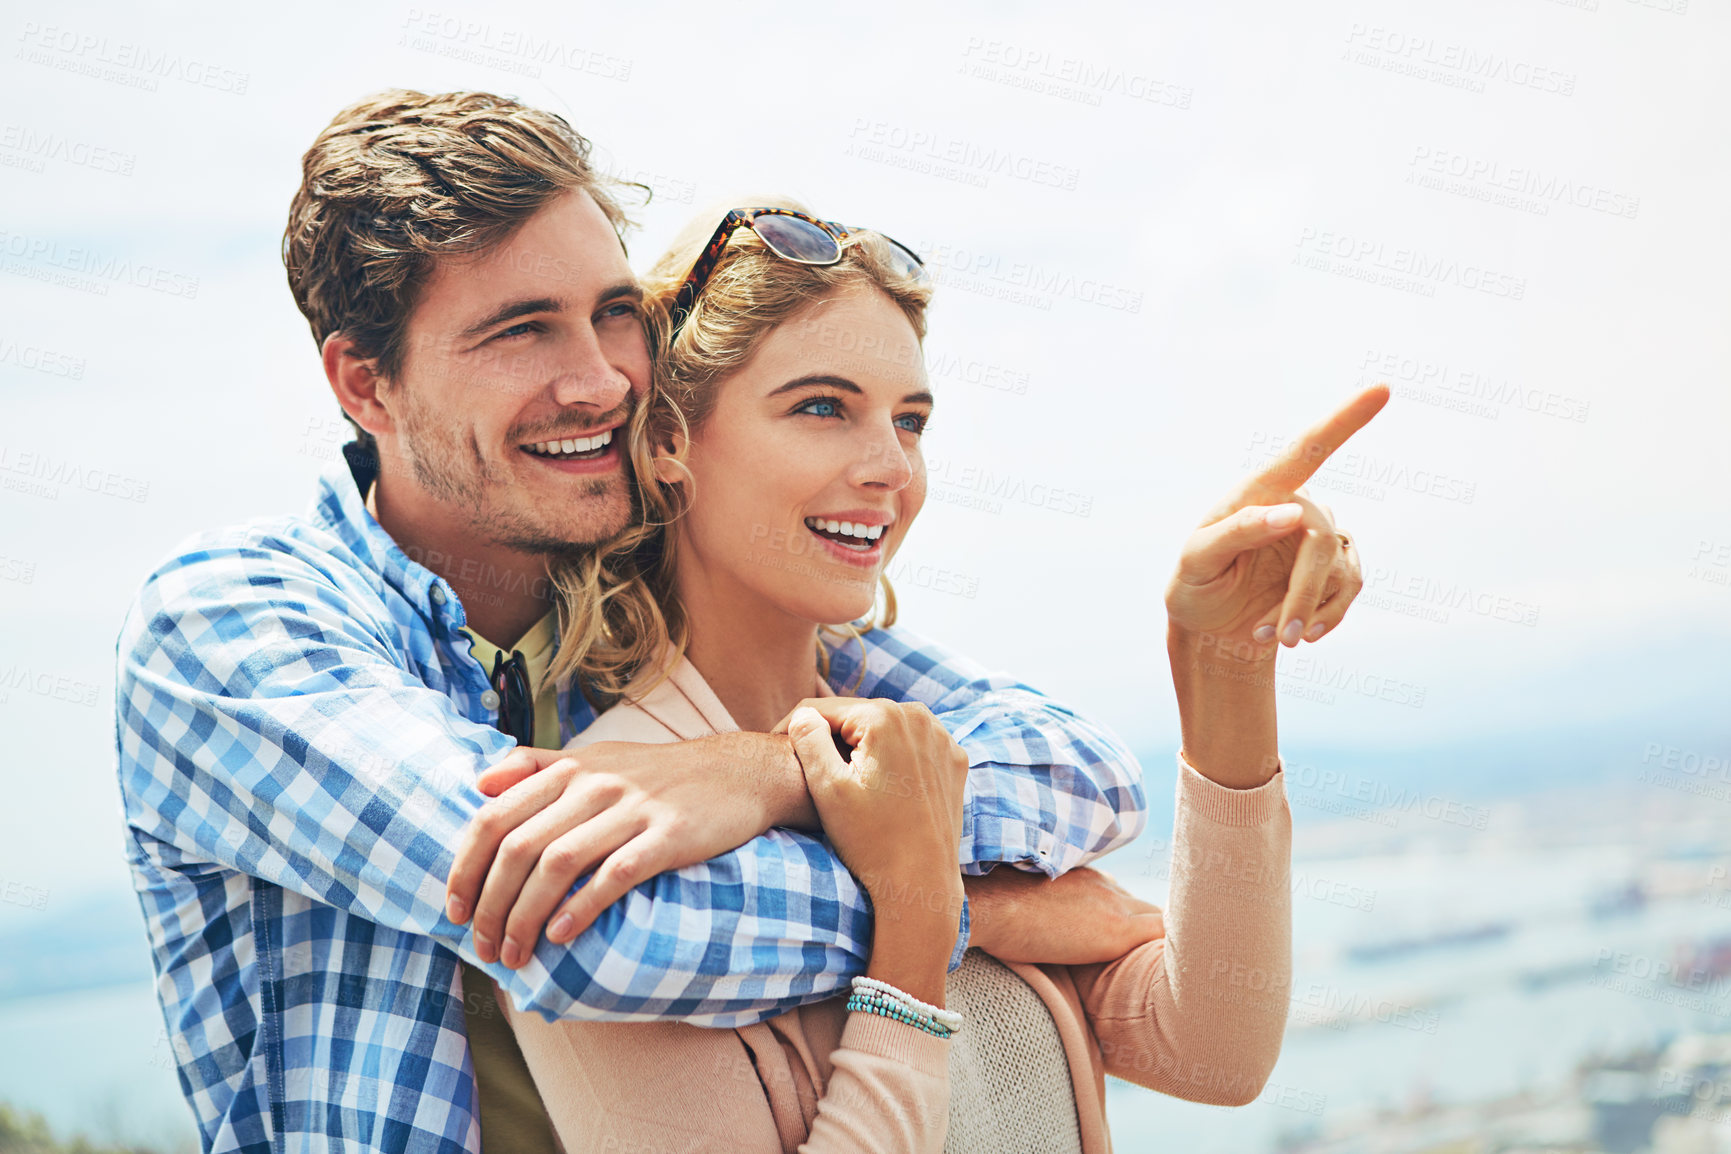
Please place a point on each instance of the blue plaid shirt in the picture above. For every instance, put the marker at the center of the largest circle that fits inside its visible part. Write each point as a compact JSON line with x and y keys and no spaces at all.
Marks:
{"x":299,"y":727}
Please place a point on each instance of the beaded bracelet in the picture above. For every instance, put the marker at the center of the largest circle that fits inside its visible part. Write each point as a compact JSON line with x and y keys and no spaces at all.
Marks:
{"x":876,"y":1004}
{"x":872,"y":993}
{"x":947,"y":1018}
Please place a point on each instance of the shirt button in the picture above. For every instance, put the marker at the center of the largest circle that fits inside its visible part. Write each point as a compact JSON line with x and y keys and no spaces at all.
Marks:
{"x":490,"y":700}
{"x":438,"y":595}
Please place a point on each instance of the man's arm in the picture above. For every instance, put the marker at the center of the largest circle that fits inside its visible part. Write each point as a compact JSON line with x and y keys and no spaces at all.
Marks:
{"x":1047,"y":790}
{"x":266,"y":726}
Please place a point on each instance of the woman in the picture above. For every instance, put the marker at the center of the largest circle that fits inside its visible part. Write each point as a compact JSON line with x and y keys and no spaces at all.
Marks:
{"x":779,"y":468}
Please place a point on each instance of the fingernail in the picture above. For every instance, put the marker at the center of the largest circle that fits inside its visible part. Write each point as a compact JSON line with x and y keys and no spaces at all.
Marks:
{"x":456,"y":909}
{"x":561,"y":927}
{"x":1317,"y":629}
{"x":484,"y":947}
{"x":1293,"y":631}
{"x":1281,"y":516}
{"x":1264,"y":634}
{"x":511,"y":955}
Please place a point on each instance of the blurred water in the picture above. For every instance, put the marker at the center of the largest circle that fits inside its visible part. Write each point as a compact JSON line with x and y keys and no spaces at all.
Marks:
{"x":1463,"y":1024}
{"x":96,"y":1062}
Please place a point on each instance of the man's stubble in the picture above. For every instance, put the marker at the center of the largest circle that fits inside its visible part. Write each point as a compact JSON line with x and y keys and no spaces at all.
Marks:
{"x":454,"y":470}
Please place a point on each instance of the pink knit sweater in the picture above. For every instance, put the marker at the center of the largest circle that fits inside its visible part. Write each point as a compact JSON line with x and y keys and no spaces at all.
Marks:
{"x":1199,"y":1014}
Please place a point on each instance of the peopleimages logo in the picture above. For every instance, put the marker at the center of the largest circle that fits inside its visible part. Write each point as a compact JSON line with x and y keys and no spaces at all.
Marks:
{"x":1467,"y":386}
{"x":881,"y":140}
{"x":1515,"y":185}
{"x":510,"y":49}
{"x":1066,"y":77}
{"x":973,"y":270}
{"x":1457,"y":65}
{"x":1364,"y":258}
{"x":44,"y":253}
{"x":123,"y":61}
{"x":39,"y":359}
{"x":41,"y":475}
{"x":40,"y":147}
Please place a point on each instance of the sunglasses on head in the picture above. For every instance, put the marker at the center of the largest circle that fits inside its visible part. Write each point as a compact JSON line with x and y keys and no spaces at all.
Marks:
{"x":792,"y":236}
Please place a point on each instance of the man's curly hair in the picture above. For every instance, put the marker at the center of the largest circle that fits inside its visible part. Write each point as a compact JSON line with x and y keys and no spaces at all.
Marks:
{"x":401,"y":178}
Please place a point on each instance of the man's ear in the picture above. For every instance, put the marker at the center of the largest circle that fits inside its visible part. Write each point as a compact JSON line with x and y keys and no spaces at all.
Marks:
{"x":357,"y":384}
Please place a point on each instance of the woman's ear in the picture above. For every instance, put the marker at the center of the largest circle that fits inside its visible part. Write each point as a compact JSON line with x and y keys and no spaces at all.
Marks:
{"x":670,"y":459}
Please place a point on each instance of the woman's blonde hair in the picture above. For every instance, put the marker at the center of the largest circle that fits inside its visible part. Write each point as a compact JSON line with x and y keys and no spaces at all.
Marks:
{"x":619,"y":608}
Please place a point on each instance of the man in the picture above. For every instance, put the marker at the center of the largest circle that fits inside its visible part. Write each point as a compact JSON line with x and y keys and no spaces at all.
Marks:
{"x":305,"y":704}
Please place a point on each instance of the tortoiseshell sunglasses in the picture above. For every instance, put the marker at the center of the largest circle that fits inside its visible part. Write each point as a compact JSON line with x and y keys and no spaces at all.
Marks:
{"x":790,"y":235}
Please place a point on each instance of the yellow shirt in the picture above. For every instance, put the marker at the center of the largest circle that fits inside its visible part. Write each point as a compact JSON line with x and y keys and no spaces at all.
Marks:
{"x":512,"y":1116}
{"x":536,"y":646}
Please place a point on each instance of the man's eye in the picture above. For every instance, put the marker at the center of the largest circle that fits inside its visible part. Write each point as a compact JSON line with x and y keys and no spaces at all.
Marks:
{"x":620,"y":309}
{"x":517,"y":330}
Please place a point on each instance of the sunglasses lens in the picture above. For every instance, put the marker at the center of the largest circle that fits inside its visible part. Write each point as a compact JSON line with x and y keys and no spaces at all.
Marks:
{"x":905,"y":262}
{"x":796,"y":239}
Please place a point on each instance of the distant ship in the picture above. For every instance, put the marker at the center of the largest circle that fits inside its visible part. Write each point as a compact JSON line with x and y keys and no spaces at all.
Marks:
{"x":1629,"y":898}
{"x":1468,"y":935}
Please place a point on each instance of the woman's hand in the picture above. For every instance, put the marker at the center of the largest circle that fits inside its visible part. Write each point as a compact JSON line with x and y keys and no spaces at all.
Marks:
{"x":893,"y":811}
{"x":1267,"y":562}
{"x":1074,"y":919}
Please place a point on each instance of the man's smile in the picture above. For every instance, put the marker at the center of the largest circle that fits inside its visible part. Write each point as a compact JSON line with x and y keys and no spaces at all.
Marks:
{"x":595,"y":453}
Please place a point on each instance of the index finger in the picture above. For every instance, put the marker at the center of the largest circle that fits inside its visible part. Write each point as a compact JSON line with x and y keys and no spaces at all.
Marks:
{"x":1296,"y":466}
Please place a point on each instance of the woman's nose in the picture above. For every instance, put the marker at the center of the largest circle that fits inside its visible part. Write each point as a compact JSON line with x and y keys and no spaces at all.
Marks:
{"x":884,"y":462}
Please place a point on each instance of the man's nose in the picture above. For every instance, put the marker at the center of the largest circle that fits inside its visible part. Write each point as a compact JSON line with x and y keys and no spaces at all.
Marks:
{"x":587,"y":376}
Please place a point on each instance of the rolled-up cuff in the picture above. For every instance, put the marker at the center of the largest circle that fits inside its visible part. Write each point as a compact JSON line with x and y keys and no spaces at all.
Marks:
{"x":888,"y":1038}
{"x":961,"y":936}
{"x":1237,"y":807}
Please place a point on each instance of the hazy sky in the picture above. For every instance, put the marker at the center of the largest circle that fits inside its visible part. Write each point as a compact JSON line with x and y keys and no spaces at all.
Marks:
{"x":1168,"y":237}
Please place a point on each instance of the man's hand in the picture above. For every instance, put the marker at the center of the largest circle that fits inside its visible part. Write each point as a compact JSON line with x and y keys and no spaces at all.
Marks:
{"x":1077,"y":918}
{"x":626,"y":812}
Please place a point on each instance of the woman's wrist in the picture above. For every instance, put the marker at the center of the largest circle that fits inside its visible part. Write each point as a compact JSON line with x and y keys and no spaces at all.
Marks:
{"x":913,"y":935}
{"x":1226,"y":707}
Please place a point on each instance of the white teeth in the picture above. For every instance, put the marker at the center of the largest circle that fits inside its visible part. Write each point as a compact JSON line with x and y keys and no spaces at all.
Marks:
{"x":573,"y":445}
{"x":847,"y":528}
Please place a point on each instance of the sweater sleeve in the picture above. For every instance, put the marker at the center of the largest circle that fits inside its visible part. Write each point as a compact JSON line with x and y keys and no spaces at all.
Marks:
{"x":1200,"y":1013}
{"x":888,"y":1091}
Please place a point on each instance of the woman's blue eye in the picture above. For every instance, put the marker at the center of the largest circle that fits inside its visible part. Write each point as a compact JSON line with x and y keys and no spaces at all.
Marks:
{"x":915,"y":423}
{"x":820,"y":407}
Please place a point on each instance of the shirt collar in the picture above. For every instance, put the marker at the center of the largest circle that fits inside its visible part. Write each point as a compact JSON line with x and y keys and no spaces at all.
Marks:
{"x":341,"y":507}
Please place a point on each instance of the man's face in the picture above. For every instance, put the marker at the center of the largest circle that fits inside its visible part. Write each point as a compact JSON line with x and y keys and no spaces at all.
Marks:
{"x":513,"y":355}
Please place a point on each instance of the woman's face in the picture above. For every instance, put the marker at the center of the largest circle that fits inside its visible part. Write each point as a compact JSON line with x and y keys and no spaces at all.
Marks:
{"x":808,"y":469}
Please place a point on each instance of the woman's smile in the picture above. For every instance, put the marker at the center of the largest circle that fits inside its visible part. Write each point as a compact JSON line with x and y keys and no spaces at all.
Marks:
{"x":856,"y":538}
